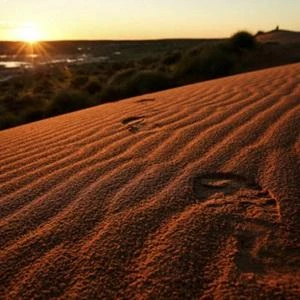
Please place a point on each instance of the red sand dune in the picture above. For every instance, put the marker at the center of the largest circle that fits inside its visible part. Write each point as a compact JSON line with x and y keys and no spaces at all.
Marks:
{"x":188,"y":193}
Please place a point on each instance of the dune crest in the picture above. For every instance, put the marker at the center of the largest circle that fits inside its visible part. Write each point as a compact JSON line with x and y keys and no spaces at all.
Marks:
{"x":187,"y":193}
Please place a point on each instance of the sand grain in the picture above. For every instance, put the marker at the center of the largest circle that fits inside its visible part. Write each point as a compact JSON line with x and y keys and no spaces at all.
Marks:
{"x":187,"y":193}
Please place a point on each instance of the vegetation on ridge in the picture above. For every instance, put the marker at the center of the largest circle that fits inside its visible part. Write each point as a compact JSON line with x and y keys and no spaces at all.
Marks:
{"x":52,"y":90}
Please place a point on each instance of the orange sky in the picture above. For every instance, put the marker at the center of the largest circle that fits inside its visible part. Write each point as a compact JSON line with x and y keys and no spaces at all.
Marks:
{"x":143,"y":19}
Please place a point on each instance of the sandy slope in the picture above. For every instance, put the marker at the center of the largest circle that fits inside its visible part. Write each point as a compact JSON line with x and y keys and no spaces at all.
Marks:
{"x":188,"y":193}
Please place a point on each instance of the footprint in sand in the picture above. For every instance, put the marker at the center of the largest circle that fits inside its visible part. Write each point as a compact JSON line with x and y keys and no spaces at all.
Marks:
{"x":224,"y":188}
{"x":134,"y":123}
{"x":259,"y":215}
{"x":208,"y":184}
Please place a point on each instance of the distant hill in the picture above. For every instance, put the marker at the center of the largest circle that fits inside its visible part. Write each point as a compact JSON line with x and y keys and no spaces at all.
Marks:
{"x":279,"y":37}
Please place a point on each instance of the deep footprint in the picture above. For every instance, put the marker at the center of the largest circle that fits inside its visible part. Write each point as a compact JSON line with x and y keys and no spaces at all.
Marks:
{"x":221,"y":186}
{"x":259,"y":215}
{"x":133,"y":124}
{"x":132,"y":120}
{"x":208,"y":184}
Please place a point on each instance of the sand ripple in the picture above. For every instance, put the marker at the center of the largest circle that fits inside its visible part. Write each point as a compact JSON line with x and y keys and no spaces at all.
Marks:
{"x":188,"y":193}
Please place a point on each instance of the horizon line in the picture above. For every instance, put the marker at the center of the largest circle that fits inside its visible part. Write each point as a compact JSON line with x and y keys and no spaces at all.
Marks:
{"x":141,"y":40}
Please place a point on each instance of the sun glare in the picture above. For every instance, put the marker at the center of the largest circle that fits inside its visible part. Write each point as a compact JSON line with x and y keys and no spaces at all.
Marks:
{"x":29,"y":33}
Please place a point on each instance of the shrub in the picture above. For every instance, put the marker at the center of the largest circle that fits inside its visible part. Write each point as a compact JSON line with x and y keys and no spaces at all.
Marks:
{"x":7,"y":119}
{"x":148,"y":61}
{"x":121,"y":76}
{"x":21,"y":102}
{"x":110,"y":93}
{"x":133,"y":83}
{"x":211,"y":62}
{"x":67,"y":101}
{"x":243,"y":40}
{"x":11,"y":101}
{"x":79,"y":81}
{"x":43,"y":86}
{"x":93,"y":87}
{"x":148,"y":81}
{"x":171,"y":58}
{"x":115,"y":88}
{"x":18,"y":83}
{"x":33,"y":114}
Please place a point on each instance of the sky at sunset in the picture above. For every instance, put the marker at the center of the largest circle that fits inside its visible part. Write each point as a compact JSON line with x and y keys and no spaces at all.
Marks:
{"x":143,"y":19}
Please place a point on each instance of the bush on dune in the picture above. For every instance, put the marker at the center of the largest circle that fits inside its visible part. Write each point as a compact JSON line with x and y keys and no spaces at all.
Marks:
{"x":133,"y":82}
{"x":206,"y":63}
{"x":79,"y":81}
{"x":114,"y":89}
{"x":122,"y":76}
{"x":8,"y":118}
{"x":93,"y":87}
{"x":67,"y":101}
{"x":242,"y":40}
{"x":43,"y":86}
{"x":148,"y":81}
{"x":171,"y":58}
{"x":33,"y":114}
{"x":213,"y":61}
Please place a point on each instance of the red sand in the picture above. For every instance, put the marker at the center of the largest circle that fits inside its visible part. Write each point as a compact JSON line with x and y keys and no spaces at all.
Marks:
{"x":188,"y":193}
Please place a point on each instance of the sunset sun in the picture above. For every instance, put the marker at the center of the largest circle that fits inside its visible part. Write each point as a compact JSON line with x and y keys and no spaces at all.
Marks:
{"x":29,"y":33}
